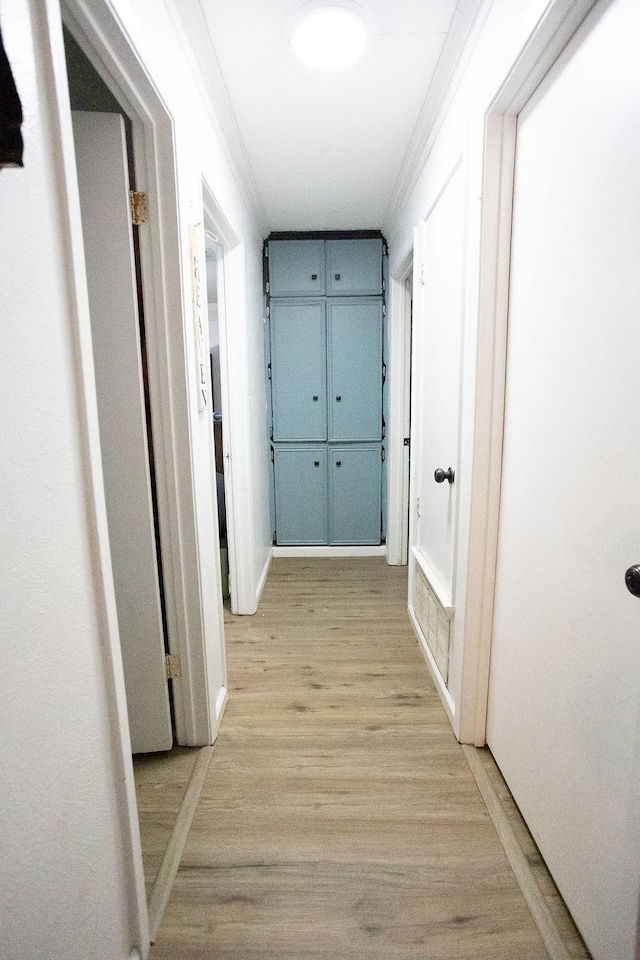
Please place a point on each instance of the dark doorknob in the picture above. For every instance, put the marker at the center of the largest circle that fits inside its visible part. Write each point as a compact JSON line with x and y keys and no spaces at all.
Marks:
{"x":632,"y":580}
{"x":441,"y":475}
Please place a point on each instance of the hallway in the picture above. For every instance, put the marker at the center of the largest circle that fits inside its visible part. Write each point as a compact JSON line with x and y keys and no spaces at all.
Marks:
{"x":339,"y":817}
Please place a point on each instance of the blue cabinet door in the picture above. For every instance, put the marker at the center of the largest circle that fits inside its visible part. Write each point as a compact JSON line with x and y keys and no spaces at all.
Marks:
{"x":301,"y":494}
{"x":296,"y":268}
{"x":298,"y":370}
{"x":354,"y":268}
{"x":354,"y":494}
{"x":355,"y":369}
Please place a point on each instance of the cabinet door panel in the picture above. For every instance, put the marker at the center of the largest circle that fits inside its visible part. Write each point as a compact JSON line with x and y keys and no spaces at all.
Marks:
{"x":355,"y":369}
{"x":354,"y":494}
{"x":296,"y":268}
{"x":354,"y":268}
{"x":301,"y":494}
{"x":298,"y":370}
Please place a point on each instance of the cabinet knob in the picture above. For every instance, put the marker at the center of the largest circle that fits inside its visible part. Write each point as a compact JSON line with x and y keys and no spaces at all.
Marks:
{"x":315,"y":397}
{"x":314,"y":276}
{"x":337,"y":276}
{"x":338,"y":399}
{"x":316,"y":463}
{"x":338,"y":463}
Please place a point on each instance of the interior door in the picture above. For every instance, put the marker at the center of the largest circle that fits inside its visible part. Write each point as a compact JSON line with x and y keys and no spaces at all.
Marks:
{"x":354,"y":363}
{"x":435,"y":381}
{"x":101,"y":158}
{"x":565,"y":670}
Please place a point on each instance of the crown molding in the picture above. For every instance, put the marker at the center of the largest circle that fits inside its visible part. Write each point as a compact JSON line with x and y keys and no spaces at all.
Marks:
{"x":193,"y":33}
{"x":467,"y":22}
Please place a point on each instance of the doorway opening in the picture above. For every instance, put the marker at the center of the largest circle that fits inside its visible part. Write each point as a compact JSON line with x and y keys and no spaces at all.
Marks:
{"x":211,"y":263}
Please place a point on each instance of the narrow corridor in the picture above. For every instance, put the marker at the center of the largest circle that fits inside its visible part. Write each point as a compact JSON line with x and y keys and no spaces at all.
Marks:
{"x":339,"y":817}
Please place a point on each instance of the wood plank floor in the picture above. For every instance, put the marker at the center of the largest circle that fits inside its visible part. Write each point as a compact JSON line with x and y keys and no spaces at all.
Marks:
{"x":339,"y":818}
{"x":161,"y":780}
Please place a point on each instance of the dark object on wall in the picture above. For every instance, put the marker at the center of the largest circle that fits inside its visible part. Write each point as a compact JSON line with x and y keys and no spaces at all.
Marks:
{"x":11,"y":145}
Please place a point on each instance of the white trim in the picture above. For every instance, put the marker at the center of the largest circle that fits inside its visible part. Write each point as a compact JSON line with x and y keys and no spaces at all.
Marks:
{"x":544,"y":44}
{"x":373,"y":551}
{"x":468,"y":19}
{"x":52,"y":67}
{"x":399,"y":399}
{"x":163,"y":883}
{"x":192,"y":30}
{"x":262,"y":579}
{"x":236,"y":435}
{"x":436,"y":676}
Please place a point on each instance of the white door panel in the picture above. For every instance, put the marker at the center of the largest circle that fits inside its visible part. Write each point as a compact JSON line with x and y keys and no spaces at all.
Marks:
{"x":436,"y":377}
{"x":104,"y":196}
{"x":565,"y":667}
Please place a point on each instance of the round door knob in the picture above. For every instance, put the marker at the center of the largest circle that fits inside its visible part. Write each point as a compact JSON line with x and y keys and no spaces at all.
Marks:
{"x":441,"y":475}
{"x":632,"y":580}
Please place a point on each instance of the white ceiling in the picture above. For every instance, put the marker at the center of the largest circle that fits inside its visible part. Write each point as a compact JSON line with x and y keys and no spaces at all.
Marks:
{"x":326,"y":150}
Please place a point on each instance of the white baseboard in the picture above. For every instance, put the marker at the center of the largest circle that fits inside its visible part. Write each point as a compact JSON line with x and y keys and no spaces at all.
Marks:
{"x":263,"y":578}
{"x":380,"y":551}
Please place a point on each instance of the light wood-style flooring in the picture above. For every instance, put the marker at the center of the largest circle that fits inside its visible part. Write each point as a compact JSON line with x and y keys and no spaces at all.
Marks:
{"x":339,"y":818}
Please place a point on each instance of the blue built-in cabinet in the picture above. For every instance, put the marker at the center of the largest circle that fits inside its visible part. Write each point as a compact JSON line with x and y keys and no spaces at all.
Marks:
{"x":326,"y":315}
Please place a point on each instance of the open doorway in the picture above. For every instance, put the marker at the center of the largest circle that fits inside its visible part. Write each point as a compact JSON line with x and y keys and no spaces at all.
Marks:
{"x":218,"y":425}
{"x":106,"y":176}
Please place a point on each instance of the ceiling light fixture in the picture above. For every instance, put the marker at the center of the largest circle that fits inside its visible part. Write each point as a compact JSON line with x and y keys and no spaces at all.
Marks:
{"x":329,"y":38}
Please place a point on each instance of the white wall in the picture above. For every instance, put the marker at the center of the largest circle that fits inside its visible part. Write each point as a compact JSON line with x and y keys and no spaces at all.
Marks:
{"x":502,"y":29}
{"x":68,"y":881}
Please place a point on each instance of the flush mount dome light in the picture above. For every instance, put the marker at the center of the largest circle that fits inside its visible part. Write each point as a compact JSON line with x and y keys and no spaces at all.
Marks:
{"x":329,"y":38}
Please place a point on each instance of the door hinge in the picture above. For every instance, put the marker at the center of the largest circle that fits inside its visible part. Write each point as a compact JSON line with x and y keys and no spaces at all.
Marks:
{"x":266,"y":287}
{"x":383,"y":454}
{"x":269,"y":371}
{"x":384,"y":373}
{"x":139,"y":207}
{"x":172,"y":666}
{"x":384,"y":285}
{"x":407,"y":441}
{"x":266,"y":249}
{"x":273,"y":456}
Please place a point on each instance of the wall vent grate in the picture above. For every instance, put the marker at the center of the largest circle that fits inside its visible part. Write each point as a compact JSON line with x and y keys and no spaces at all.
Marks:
{"x":433,"y":620}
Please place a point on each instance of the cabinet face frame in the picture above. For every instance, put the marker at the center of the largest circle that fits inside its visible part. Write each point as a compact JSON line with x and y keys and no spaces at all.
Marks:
{"x":279,"y":294}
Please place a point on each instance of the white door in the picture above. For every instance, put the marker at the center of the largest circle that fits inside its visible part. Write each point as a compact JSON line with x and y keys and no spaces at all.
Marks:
{"x":435,"y":381}
{"x":101,"y":158}
{"x":565,"y":670}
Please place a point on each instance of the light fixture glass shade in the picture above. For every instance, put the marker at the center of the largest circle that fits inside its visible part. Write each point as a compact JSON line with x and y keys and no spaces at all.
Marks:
{"x":329,"y":38}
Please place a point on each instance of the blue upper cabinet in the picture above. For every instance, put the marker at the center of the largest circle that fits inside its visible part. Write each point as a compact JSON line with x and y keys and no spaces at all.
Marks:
{"x":298,"y":370}
{"x":296,"y":268}
{"x":354,"y":352}
{"x":354,"y":268}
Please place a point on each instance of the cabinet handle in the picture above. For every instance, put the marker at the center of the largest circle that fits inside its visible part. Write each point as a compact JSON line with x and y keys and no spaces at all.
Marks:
{"x":338,"y":399}
{"x":337,"y":276}
{"x":338,"y":463}
{"x":315,"y":397}
{"x":314,"y":276}
{"x":316,"y":463}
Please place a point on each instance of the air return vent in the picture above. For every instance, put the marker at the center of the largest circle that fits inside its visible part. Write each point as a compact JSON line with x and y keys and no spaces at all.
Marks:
{"x":433,"y":621}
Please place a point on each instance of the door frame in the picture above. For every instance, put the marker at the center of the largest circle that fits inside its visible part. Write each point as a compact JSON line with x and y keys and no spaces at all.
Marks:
{"x":544,"y":44}
{"x":400,"y":299}
{"x":104,"y":41}
{"x":235,"y":410}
